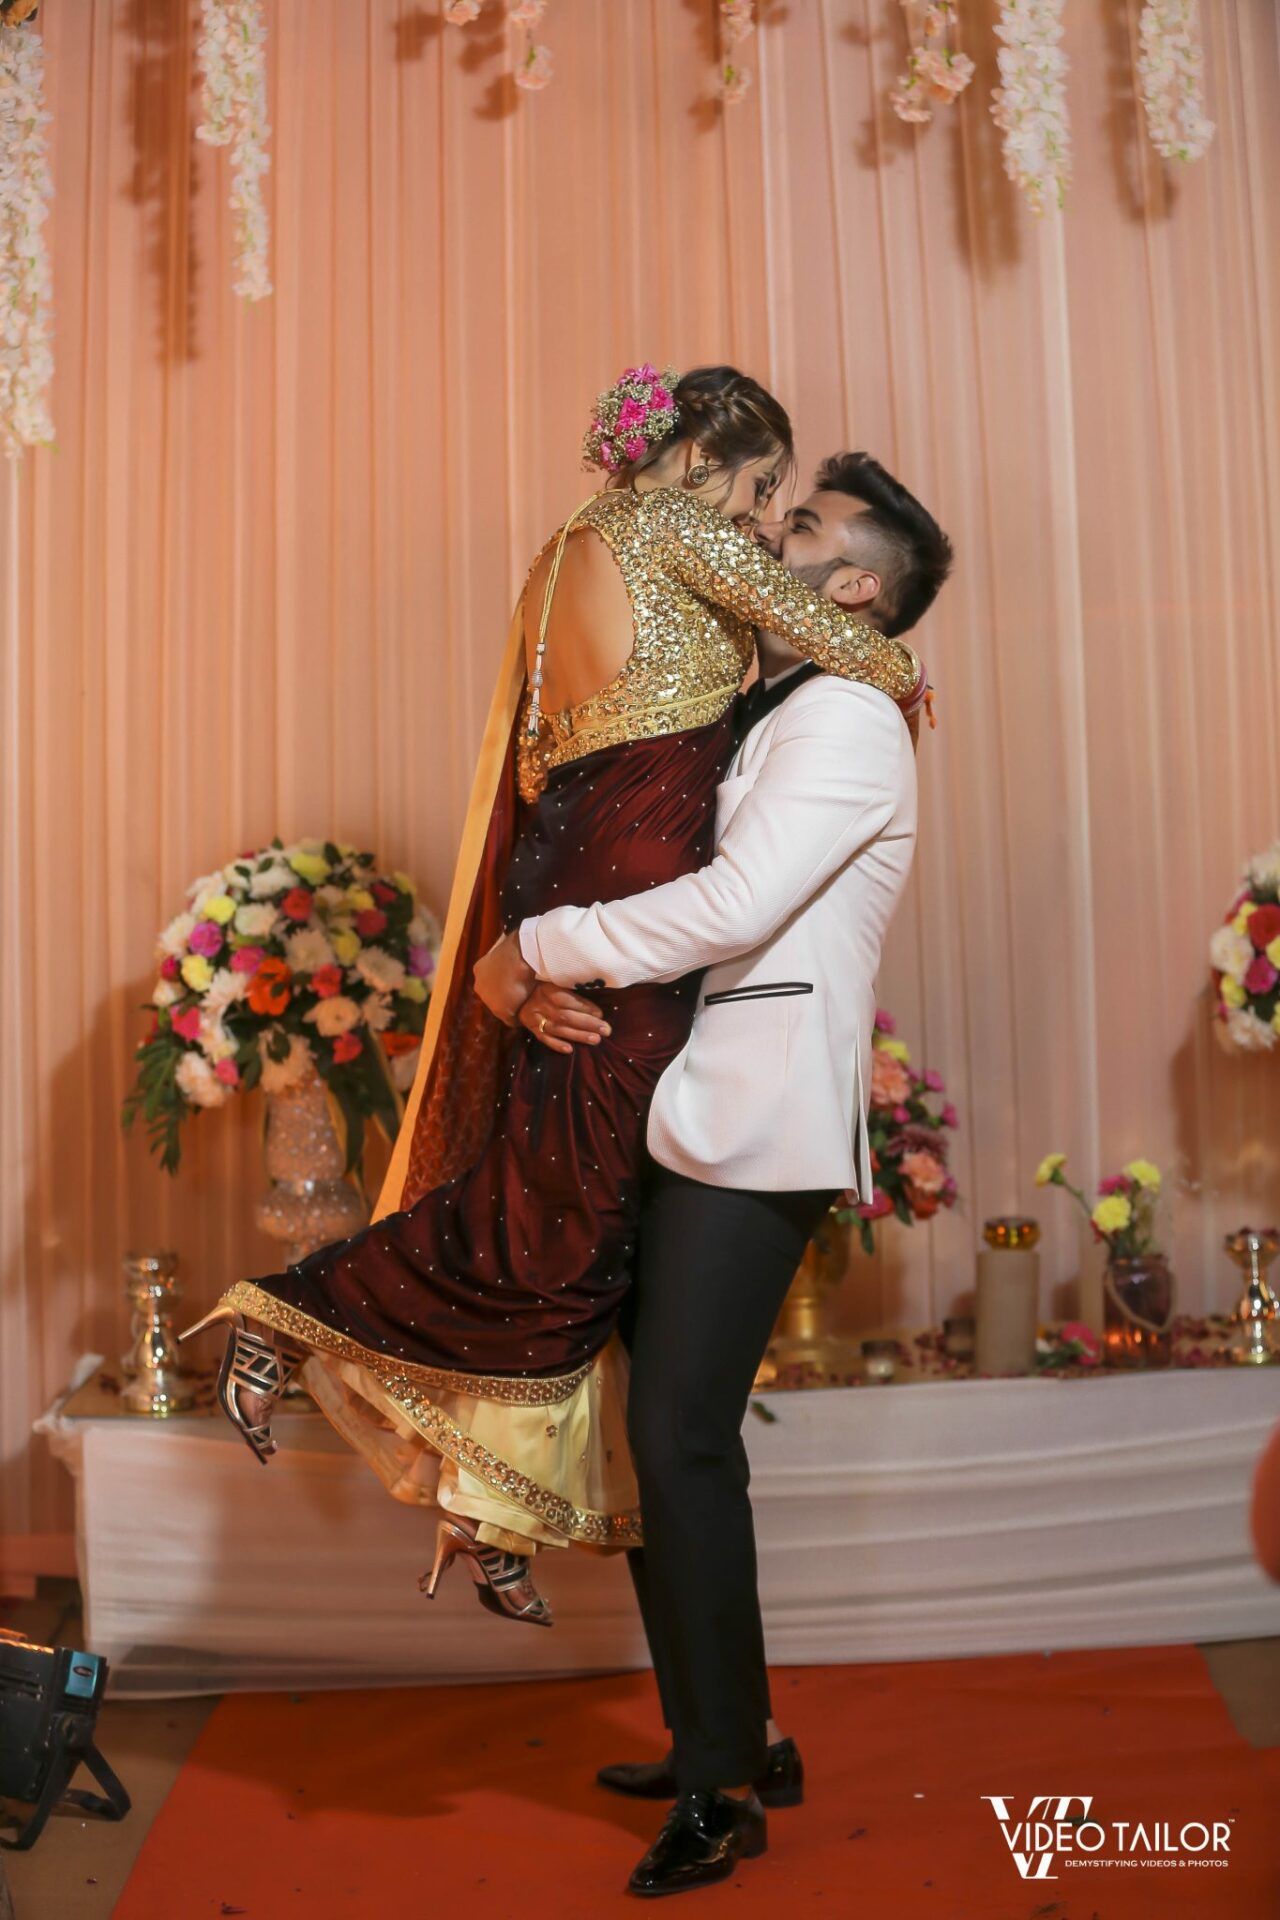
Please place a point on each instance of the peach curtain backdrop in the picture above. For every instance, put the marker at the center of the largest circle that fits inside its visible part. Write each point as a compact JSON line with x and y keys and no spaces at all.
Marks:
{"x":263,"y":582}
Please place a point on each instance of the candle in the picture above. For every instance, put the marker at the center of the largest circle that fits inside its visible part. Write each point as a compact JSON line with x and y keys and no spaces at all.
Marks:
{"x":1007,"y":1297}
{"x":879,"y":1361}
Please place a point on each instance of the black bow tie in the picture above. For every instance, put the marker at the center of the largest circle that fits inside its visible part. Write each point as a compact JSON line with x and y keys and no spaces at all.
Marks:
{"x":759,"y":699}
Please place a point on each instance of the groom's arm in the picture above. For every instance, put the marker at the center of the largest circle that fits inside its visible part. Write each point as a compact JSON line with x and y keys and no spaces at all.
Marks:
{"x":836,"y":771}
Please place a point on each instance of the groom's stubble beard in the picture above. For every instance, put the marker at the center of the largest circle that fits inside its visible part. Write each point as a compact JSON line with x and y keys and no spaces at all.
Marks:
{"x":817,"y":575}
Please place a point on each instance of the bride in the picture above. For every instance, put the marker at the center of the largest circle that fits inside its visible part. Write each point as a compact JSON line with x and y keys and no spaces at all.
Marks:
{"x":464,"y":1342}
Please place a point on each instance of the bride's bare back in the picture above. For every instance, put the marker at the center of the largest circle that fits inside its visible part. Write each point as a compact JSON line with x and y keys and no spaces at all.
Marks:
{"x":590,"y":631}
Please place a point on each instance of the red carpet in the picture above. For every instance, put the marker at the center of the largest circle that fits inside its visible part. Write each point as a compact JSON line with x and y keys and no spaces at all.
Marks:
{"x":477,"y":1803}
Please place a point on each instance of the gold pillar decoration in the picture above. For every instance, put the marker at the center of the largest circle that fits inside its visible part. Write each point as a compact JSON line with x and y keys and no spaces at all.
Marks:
{"x":158,"y":1383}
{"x":801,"y":1337}
{"x":1255,"y":1340}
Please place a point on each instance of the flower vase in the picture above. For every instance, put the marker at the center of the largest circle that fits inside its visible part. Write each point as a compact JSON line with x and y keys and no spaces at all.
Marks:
{"x":1137,"y":1310}
{"x":801,"y":1337}
{"x":309,"y":1203}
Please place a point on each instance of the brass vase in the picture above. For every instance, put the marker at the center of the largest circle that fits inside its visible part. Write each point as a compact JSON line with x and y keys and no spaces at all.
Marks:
{"x":1256,"y":1337}
{"x":309,"y":1202}
{"x":801,"y":1337}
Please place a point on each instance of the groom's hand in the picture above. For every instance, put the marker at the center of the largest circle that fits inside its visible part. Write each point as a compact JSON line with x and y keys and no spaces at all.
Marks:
{"x":504,"y":979}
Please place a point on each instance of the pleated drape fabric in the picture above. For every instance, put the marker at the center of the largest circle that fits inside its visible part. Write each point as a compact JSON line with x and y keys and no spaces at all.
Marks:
{"x":263,"y":583}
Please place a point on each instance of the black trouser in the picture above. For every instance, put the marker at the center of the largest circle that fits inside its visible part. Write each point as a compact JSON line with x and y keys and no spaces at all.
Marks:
{"x":714,"y":1266}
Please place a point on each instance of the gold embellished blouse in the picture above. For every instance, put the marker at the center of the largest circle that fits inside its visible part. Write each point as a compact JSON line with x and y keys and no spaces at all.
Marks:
{"x":698,"y":588}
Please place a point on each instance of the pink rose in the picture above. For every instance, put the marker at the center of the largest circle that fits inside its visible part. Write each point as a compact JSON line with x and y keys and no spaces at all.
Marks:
{"x":1114,"y":1183}
{"x":635,"y":446}
{"x":660,"y":401}
{"x":934,"y":1081}
{"x":885,"y":1022}
{"x":228,"y":1072}
{"x":247,"y":959}
{"x":206,"y":938}
{"x":631,"y":414}
{"x":169,"y":968}
{"x":926,"y":1174}
{"x":879,"y":1205}
{"x":890,"y":1081}
{"x":902,"y":1115}
{"x":950,"y":1118}
{"x":1261,"y":976}
{"x":186,"y":1023}
{"x":370,"y":921}
{"x":382,"y":891}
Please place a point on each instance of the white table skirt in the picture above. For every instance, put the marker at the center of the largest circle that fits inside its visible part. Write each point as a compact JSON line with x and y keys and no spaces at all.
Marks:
{"x":900,"y":1522}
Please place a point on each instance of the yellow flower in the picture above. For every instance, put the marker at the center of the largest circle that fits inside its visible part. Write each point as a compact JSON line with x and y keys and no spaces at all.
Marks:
{"x":1232,"y":992}
{"x":1246,"y":913}
{"x":411,"y":988}
{"x":1273,"y":951}
{"x":310,"y":866}
{"x":345,"y":942}
{"x":897,"y":1049}
{"x":1048,"y":1168}
{"x":197,"y":972}
{"x":218,"y":906}
{"x":359,"y":898}
{"x":1112,"y":1214}
{"x":402,"y":880}
{"x":1145,"y":1174}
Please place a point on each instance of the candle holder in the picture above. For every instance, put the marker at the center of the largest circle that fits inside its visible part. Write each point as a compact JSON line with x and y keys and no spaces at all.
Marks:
{"x":879,"y":1361}
{"x":1007,"y":1297}
{"x":158,"y":1383}
{"x":1255,"y":1340}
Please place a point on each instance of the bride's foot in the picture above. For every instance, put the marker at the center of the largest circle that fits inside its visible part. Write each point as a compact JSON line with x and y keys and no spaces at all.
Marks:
{"x":504,"y":1583}
{"x":255,"y":1371}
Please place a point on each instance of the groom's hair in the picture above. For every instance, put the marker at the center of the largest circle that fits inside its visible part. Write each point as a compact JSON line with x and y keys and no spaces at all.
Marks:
{"x":896,"y":536}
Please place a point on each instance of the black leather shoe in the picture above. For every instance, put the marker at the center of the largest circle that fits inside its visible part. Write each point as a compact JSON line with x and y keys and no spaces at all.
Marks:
{"x":702,"y":1840}
{"x":780,"y":1785}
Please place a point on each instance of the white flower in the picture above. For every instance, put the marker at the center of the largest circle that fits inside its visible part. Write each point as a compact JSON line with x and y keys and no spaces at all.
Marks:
{"x":26,"y":287}
{"x":330,"y":896}
{"x":1263,"y":871}
{"x":277,"y":878}
{"x":215,"y":882}
{"x":380,"y":968}
{"x":214,"y":1037}
{"x":1031,"y":106}
{"x":232,"y":61}
{"x":166,"y":992}
{"x":308,"y":950}
{"x":377,"y":1012}
{"x":199,"y":1083}
{"x":225,"y":988}
{"x":1170,"y":68}
{"x":277,"y":1075}
{"x":424,"y":930}
{"x":173,"y":940}
{"x":255,"y":921}
{"x":1246,"y":1031}
{"x":338,"y":1014}
{"x":1231,"y":952}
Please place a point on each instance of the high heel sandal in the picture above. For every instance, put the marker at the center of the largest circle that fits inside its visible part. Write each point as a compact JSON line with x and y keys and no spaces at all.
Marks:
{"x":252,"y":1362}
{"x":495,"y":1572}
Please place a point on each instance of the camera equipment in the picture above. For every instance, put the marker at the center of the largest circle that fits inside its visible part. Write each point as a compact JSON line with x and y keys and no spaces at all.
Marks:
{"x":48,"y":1703}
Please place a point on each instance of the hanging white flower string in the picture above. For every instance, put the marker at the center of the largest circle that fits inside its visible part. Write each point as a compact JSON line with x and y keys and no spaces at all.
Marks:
{"x":233,"y":63}
{"x":936,"y":69}
{"x":737,"y":20}
{"x":26,"y":287}
{"x":1171,"y":67}
{"x":1031,"y":107}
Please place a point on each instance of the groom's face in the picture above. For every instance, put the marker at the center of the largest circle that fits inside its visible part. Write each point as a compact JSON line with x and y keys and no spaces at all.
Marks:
{"x":816,"y":539}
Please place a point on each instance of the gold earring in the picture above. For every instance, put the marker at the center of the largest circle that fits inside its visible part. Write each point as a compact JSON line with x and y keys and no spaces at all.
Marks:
{"x":698,"y":476}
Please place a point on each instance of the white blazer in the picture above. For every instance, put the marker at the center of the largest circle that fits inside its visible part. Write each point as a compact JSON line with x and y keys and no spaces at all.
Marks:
{"x":815,"y":831}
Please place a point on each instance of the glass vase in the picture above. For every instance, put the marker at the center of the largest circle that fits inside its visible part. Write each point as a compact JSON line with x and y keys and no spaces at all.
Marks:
{"x":309,"y":1203}
{"x":1137,"y":1301}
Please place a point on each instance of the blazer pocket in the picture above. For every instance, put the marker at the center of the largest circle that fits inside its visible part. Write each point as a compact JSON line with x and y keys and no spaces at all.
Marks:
{"x":760,"y":990}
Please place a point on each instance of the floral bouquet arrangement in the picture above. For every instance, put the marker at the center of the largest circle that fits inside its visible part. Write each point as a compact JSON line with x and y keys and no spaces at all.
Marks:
{"x":1245,"y":955}
{"x":908,"y":1138}
{"x":291,"y":960}
{"x":1124,"y":1213}
{"x":631,"y":416}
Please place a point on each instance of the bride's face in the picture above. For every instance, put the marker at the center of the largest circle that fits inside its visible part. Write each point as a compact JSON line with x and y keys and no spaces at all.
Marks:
{"x":746,"y":499}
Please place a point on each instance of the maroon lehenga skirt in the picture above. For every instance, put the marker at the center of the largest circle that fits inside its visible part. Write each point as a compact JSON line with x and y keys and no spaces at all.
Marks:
{"x":515,"y":1268}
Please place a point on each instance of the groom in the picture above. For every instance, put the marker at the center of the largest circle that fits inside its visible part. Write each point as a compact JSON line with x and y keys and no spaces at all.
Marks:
{"x":755,"y":1128}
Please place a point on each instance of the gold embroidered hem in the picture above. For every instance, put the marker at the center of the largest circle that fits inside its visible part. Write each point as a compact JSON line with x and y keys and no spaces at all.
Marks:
{"x":549,"y":1463}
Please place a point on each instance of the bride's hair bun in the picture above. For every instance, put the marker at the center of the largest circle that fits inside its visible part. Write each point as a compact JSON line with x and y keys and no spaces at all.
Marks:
{"x":637,"y":413}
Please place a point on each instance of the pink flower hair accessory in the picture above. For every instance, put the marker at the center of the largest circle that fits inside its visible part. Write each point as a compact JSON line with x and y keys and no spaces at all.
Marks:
{"x":636,"y":413}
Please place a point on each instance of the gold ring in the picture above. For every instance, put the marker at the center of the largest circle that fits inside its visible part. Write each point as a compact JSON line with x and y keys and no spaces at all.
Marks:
{"x":542,"y":1023}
